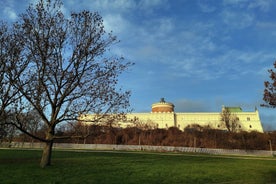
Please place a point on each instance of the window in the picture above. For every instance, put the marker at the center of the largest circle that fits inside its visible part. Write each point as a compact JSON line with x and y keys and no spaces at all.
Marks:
{"x":250,"y":126}
{"x":248,"y":118}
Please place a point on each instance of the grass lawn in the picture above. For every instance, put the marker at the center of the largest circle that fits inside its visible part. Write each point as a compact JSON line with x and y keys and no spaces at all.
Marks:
{"x":22,"y":166}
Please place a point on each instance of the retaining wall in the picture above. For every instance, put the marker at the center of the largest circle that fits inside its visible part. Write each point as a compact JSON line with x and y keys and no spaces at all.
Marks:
{"x":141,"y":148}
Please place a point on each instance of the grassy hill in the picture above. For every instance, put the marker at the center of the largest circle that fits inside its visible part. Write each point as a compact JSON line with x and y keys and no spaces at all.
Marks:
{"x":22,"y":166}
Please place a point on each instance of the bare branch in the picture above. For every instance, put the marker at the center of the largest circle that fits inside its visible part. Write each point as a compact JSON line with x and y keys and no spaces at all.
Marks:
{"x":58,"y":67}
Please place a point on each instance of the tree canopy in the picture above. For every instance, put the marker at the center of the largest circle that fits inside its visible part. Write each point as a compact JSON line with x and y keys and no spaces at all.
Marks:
{"x":59,"y":67}
{"x":270,"y":89}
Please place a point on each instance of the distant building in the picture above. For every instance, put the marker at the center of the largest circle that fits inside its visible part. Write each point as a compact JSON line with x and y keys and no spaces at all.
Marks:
{"x":163,"y":116}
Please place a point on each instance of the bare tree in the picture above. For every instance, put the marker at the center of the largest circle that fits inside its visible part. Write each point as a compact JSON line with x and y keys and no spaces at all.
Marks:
{"x":61,"y":70}
{"x":30,"y":121}
{"x":9,"y":96}
{"x":270,"y":89}
{"x":229,"y":120}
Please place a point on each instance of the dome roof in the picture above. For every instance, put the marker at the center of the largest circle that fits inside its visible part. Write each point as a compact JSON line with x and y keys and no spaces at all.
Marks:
{"x":162,"y":106}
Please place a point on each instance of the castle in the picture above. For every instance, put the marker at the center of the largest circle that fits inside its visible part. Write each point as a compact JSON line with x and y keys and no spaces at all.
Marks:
{"x":163,"y":116}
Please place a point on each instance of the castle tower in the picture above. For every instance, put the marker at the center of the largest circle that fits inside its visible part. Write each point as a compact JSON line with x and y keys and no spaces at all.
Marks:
{"x":162,"y":106}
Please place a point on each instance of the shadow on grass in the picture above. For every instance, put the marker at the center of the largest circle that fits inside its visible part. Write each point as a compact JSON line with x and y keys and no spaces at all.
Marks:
{"x":270,"y":177}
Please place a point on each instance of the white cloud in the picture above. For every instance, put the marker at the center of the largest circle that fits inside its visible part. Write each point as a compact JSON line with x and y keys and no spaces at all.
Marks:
{"x":230,"y":64}
{"x":266,"y":25}
{"x":207,"y":6}
{"x":10,"y":13}
{"x":165,"y":25}
{"x":238,"y":3}
{"x":237,"y":20}
{"x":115,"y":23}
{"x":147,"y":4}
{"x":8,"y":10}
{"x":263,"y":5}
{"x":157,"y":29}
{"x":118,"y":5}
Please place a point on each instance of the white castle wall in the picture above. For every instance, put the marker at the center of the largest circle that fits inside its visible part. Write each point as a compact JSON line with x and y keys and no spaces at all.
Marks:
{"x":162,"y":116}
{"x":248,"y":121}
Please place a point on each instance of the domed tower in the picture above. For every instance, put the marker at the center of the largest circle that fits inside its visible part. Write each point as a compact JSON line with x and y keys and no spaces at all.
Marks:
{"x":162,"y":106}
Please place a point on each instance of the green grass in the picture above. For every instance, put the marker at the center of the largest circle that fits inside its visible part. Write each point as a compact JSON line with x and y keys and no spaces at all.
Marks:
{"x":22,"y":166}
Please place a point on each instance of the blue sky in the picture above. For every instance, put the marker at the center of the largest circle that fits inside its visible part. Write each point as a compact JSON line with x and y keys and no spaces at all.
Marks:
{"x":197,"y":54}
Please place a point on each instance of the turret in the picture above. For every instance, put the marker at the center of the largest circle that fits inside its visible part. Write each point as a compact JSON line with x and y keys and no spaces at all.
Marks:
{"x":162,"y":106}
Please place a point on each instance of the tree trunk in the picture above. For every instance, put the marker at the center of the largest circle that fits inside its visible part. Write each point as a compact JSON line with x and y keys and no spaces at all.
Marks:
{"x":47,"y":150}
{"x":47,"y":154}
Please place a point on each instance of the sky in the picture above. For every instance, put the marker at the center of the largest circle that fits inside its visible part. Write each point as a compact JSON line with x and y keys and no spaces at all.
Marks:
{"x":197,"y":54}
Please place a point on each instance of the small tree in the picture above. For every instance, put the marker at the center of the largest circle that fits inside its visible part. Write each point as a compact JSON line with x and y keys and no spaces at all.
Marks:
{"x":59,"y":68}
{"x":229,"y":120}
{"x":270,"y":89}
